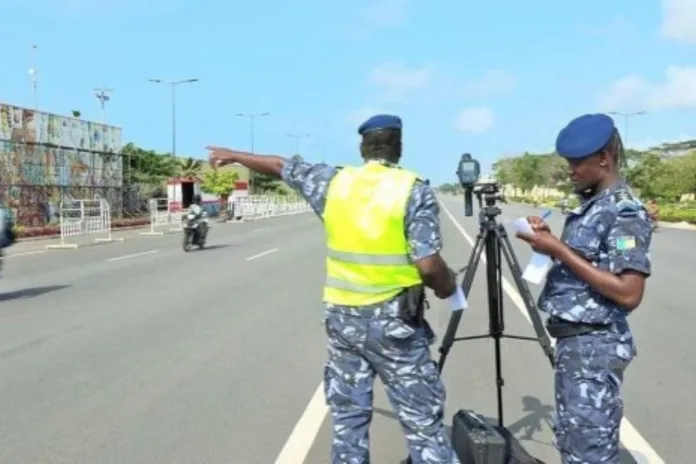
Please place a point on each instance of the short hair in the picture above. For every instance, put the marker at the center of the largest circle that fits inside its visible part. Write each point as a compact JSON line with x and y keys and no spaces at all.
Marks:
{"x":382,"y":144}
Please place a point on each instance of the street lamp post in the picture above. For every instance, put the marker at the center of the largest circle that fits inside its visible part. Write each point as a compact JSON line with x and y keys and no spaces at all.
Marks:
{"x":626,"y":117}
{"x":297,"y":138}
{"x":252,"y":118}
{"x":173,"y":84}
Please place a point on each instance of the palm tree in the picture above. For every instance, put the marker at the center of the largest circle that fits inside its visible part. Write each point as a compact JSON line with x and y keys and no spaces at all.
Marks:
{"x":190,"y":167}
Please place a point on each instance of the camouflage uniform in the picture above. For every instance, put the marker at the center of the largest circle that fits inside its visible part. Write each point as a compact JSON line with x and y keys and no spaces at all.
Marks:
{"x":611,"y":230}
{"x":370,"y":340}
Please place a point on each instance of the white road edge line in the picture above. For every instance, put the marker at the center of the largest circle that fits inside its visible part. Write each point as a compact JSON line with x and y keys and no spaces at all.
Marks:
{"x":305,"y":431}
{"x":632,"y":440}
{"x":134,"y":255}
{"x":25,"y":253}
{"x":264,"y":253}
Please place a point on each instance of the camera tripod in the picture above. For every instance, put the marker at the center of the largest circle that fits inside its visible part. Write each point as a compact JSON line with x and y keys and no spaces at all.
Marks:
{"x":493,"y":238}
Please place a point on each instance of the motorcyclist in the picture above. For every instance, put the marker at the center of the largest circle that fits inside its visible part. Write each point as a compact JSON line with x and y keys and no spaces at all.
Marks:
{"x":197,"y":210}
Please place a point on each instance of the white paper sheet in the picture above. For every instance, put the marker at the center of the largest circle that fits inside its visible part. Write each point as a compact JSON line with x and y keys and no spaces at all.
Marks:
{"x":457,"y":301}
{"x":540,"y":264}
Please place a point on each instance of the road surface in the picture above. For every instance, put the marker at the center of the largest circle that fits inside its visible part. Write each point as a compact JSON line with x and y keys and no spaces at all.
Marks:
{"x":136,"y":352}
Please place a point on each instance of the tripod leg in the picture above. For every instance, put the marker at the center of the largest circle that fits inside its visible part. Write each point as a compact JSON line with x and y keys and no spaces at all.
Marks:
{"x":496,"y":320}
{"x":453,"y":325}
{"x":526,"y":294}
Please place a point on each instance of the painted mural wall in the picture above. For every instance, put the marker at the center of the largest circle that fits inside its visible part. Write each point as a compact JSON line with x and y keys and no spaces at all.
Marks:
{"x":46,"y":158}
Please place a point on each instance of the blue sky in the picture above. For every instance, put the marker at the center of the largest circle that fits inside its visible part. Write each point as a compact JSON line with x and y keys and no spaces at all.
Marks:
{"x":488,"y":79}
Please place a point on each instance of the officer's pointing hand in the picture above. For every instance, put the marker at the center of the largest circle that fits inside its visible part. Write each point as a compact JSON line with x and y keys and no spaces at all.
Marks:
{"x":218,"y":156}
{"x":543,"y":242}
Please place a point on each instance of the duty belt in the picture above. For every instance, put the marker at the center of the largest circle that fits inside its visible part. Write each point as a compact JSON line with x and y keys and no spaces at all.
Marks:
{"x":558,"y":328}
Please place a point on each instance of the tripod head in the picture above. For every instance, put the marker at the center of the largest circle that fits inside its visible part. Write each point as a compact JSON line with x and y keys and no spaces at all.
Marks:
{"x":488,"y":195}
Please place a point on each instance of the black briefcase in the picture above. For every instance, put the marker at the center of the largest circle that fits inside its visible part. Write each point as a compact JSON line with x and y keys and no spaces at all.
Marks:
{"x":477,"y":442}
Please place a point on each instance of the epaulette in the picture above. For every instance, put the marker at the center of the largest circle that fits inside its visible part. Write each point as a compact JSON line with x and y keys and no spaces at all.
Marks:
{"x":626,"y":204}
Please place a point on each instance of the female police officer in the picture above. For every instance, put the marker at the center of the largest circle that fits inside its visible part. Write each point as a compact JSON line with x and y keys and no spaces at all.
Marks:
{"x":601,"y":263}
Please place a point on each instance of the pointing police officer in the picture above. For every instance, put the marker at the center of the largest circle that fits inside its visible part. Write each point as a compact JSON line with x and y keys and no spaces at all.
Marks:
{"x":601,"y":263}
{"x":383,"y":237}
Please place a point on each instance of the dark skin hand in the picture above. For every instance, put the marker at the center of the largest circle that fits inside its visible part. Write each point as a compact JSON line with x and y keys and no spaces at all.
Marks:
{"x":625,"y":289}
{"x":436,"y":275}
{"x":269,"y":165}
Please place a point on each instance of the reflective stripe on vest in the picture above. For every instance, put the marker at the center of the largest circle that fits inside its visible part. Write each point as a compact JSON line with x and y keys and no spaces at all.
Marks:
{"x":374,"y":259}
{"x":333,"y":282}
{"x":368,"y":254}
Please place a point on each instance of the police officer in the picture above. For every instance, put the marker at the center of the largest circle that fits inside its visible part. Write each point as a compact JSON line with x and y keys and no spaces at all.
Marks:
{"x":383,"y":236}
{"x":600,"y":266}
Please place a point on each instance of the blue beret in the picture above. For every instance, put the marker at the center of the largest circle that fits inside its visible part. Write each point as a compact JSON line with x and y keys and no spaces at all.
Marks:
{"x":585,"y":136}
{"x":379,"y":122}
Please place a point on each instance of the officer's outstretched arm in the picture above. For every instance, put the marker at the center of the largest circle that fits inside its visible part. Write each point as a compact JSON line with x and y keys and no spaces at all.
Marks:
{"x":265,"y":164}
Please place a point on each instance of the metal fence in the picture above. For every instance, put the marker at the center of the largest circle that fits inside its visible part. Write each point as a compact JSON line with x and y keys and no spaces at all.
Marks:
{"x":81,"y":219}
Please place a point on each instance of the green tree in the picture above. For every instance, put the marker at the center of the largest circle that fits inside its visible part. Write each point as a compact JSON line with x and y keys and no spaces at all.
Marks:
{"x":142,"y":166}
{"x":190,"y":167}
{"x":263,"y":184}
{"x":221,"y":184}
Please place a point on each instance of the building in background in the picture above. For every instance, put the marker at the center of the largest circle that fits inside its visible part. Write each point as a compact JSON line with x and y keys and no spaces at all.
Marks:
{"x":47,"y":158}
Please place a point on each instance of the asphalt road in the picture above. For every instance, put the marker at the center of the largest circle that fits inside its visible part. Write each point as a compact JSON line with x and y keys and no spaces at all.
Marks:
{"x":137,"y":352}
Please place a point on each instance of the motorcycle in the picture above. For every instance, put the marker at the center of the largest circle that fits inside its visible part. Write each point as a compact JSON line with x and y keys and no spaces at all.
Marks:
{"x":195,"y":231}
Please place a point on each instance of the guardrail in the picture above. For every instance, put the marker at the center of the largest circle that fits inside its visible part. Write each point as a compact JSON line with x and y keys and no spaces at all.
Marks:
{"x":84,"y":218}
{"x":164,"y":214}
{"x":264,"y":206}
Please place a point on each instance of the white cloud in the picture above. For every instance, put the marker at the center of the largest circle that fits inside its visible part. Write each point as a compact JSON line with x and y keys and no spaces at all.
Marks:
{"x":679,"y":20}
{"x":387,"y":13}
{"x":677,"y":90}
{"x":397,"y":80}
{"x":475,"y":119}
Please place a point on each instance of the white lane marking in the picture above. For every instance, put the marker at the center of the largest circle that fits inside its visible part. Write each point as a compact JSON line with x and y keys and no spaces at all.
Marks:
{"x":134,"y":255}
{"x":264,"y":253}
{"x":305,"y":431}
{"x":632,"y":440}
{"x":26,"y":253}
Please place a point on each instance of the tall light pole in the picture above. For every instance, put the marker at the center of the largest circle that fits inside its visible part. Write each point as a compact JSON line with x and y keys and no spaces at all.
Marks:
{"x":33,"y":72}
{"x":252,"y":118}
{"x":103,"y":95}
{"x":297,"y":138}
{"x":174,"y":84}
{"x":626,"y":117}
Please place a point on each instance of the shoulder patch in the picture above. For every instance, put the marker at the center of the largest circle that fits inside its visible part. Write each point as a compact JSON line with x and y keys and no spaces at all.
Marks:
{"x":626,"y":204}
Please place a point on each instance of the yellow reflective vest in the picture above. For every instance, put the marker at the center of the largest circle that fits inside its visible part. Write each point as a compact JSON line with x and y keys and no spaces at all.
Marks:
{"x":364,"y":217}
